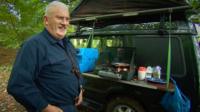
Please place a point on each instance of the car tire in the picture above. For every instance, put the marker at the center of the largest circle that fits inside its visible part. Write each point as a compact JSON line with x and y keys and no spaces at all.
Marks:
{"x":124,"y":104}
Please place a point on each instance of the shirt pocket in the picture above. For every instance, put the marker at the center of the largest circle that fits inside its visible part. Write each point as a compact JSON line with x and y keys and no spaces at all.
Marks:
{"x":59,"y":63}
{"x":56,"y":59}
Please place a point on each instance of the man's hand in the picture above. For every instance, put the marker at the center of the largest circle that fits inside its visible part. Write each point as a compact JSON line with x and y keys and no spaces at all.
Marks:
{"x":51,"y":108}
{"x":79,"y":99}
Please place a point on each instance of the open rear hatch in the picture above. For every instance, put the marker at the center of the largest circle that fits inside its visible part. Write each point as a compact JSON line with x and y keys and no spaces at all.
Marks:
{"x":106,"y":12}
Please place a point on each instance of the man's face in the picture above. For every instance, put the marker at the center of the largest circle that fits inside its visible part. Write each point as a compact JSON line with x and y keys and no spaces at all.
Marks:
{"x":57,"y":22}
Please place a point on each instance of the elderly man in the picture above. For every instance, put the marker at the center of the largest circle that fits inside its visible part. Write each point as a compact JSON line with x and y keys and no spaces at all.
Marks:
{"x":45,"y":76}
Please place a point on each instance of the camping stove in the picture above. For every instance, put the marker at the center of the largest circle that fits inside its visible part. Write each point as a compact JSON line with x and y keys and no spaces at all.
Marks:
{"x":116,"y":71}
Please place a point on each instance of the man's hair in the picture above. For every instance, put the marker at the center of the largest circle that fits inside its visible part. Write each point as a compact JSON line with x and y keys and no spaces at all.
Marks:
{"x":53,"y":5}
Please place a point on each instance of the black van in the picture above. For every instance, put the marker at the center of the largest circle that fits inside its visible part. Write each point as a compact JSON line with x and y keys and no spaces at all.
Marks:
{"x":136,"y":34}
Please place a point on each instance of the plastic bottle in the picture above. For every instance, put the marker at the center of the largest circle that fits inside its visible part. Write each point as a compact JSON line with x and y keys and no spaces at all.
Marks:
{"x":149,"y":72}
{"x":157,"y":72}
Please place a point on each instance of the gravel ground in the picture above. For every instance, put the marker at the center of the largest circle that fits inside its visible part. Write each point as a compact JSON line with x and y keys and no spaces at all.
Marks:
{"x":7,"y":102}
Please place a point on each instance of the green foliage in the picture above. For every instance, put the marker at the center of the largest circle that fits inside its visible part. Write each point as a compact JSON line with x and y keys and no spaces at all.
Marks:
{"x":194,"y":3}
{"x":19,"y":19}
{"x":194,"y":14}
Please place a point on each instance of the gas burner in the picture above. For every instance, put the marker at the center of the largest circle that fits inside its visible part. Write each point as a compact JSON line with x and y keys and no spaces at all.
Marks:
{"x":121,"y":67}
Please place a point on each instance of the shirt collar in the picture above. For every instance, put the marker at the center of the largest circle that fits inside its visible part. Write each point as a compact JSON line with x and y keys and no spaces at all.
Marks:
{"x":50,"y":38}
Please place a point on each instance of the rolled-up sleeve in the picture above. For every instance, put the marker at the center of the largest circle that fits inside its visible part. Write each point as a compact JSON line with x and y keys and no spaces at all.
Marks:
{"x":21,"y":84}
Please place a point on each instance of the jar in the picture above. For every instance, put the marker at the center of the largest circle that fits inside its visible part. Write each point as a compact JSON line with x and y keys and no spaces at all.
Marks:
{"x":141,"y":73}
{"x":157,"y":72}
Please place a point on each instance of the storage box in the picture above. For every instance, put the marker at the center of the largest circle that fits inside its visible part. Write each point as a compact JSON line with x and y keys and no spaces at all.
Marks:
{"x":87,"y":59}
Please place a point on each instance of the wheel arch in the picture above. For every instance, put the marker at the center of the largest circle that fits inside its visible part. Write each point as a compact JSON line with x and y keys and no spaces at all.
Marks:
{"x":123,"y":93}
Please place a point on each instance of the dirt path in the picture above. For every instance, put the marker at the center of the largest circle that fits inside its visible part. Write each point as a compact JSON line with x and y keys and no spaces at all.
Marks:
{"x":7,"y":56}
{"x":7,"y":103}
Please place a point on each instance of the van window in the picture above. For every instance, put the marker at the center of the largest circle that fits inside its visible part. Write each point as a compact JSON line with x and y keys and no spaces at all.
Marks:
{"x":79,"y":43}
{"x":149,"y":50}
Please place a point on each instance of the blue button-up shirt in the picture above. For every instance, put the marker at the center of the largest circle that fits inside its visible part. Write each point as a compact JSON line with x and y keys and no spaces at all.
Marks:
{"x":42,"y":73}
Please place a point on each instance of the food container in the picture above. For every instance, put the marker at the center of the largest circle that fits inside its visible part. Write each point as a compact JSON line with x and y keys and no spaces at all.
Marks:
{"x":157,"y":72}
{"x":149,"y":72}
{"x":141,"y":73}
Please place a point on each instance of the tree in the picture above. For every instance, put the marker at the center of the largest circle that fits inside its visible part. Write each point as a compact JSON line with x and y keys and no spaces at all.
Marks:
{"x":19,"y":19}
